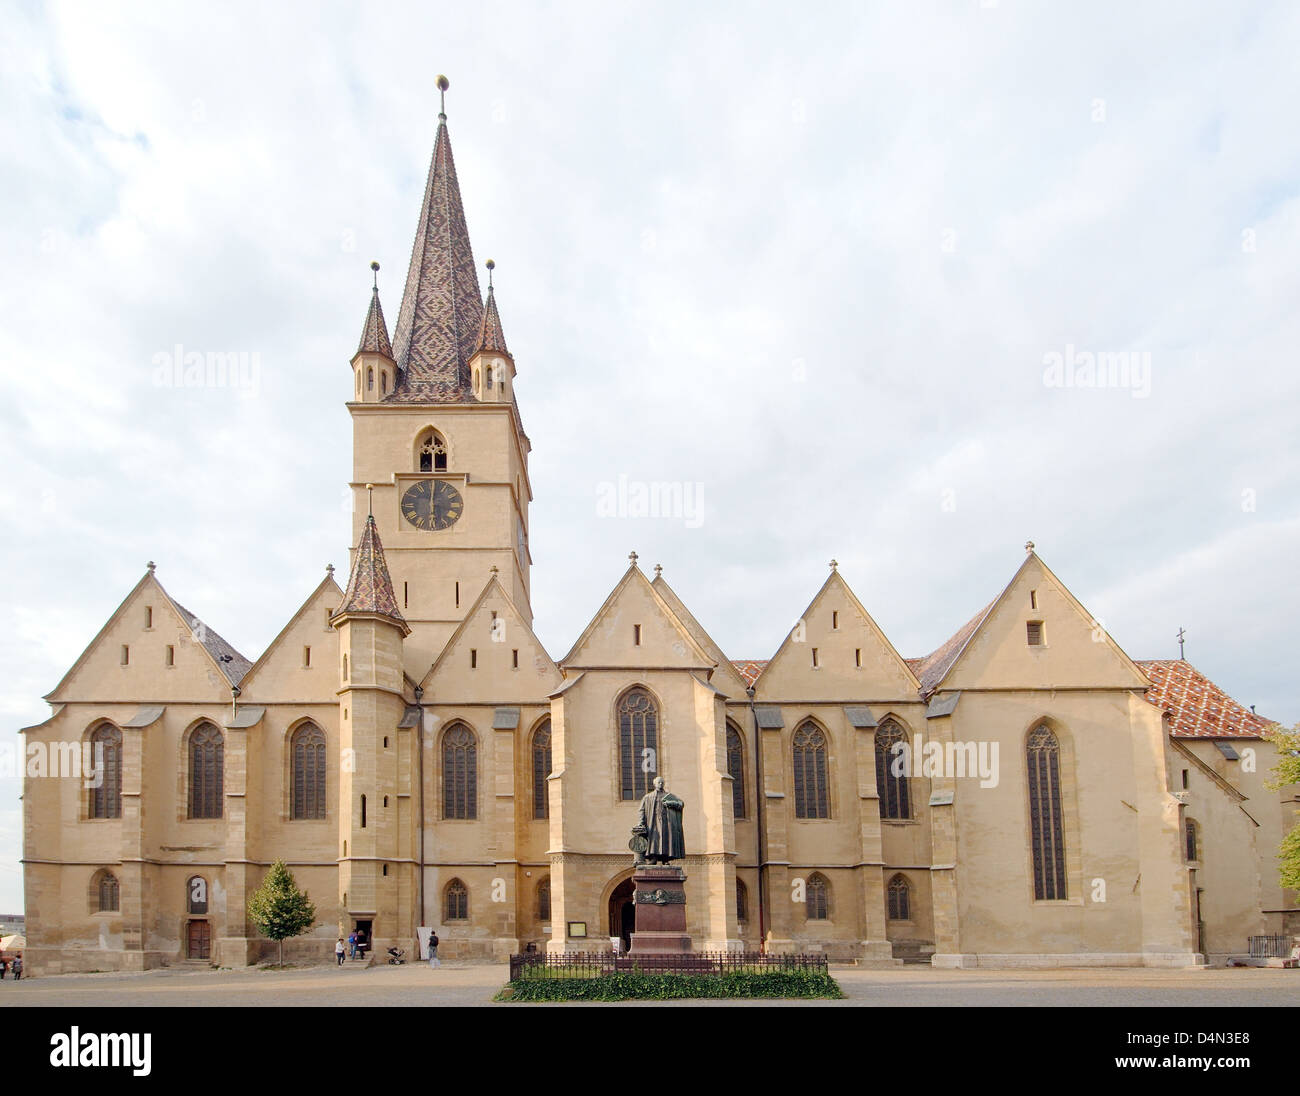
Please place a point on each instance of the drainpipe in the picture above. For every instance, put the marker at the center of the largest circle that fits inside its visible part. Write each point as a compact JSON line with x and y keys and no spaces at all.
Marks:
{"x":759,"y":797}
{"x":419,"y":753}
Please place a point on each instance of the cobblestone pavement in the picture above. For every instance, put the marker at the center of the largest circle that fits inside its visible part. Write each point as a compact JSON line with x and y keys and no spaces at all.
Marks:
{"x":462,"y":984}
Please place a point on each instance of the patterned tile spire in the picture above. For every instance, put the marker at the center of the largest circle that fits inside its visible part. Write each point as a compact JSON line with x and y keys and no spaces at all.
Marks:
{"x":370,"y":589}
{"x":374,"y":335}
{"x":442,"y":309}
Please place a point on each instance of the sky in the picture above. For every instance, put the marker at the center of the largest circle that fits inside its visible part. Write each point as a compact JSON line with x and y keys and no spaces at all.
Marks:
{"x":836,"y":272}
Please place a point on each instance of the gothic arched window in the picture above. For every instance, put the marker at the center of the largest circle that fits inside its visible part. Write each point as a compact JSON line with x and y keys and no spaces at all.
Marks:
{"x":106,"y":757}
{"x":541,"y":769}
{"x":1192,"y":850}
{"x":1047,"y":840}
{"x":544,"y":899}
{"x":811,"y":783}
{"x":895,"y":802}
{"x":742,"y":901}
{"x":433,"y":452}
{"x":457,"y":901}
{"x":104,"y":894}
{"x":900,"y":899}
{"x":207,"y":770}
{"x":736,"y":769}
{"x":817,"y":898}
{"x":459,"y":773}
{"x":638,"y":742}
{"x":307,"y":759}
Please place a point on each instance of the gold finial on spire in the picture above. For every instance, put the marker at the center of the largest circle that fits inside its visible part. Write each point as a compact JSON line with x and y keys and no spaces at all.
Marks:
{"x":495,"y":571}
{"x":370,"y":493}
{"x":491,"y":265}
{"x":375,"y":267}
{"x":1029,"y":546}
{"x":443,"y":85}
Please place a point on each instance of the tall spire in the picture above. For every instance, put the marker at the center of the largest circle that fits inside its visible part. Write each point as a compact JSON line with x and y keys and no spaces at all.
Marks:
{"x":374,"y":335}
{"x":490,"y":335}
{"x":370,"y":589}
{"x":442,"y":310}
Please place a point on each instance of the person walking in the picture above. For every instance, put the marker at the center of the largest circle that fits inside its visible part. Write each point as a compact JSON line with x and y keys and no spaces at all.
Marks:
{"x":18,"y":967}
{"x":4,"y":966}
{"x":339,"y":951}
{"x":352,"y":944}
{"x":434,"y":961}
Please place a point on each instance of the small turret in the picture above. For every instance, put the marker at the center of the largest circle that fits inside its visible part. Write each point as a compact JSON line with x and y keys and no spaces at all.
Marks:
{"x":373,"y":368}
{"x":492,"y":369}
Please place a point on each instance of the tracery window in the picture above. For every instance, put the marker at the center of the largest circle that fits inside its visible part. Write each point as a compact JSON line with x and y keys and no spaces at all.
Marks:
{"x":817,"y":900}
{"x":106,"y":756}
{"x":459,"y":773}
{"x":307,"y":779}
{"x":1047,"y":839}
{"x":541,"y":770}
{"x":457,"y":901}
{"x":207,"y":771}
{"x":895,"y":802}
{"x":811,"y":782}
{"x":104,"y":893}
{"x":900,"y":899}
{"x":736,"y":769}
{"x":638,"y":737}
{"x":433,"y":453}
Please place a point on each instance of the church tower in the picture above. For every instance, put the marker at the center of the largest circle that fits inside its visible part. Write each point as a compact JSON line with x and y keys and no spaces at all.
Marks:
{"x":443,"y":444}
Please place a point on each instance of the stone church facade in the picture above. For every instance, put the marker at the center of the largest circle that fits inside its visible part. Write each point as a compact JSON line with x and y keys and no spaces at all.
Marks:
{"x":1026,"y":794}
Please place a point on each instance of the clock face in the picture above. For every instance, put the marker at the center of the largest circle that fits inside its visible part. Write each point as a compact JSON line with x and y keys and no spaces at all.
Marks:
{"x":432,"y":504}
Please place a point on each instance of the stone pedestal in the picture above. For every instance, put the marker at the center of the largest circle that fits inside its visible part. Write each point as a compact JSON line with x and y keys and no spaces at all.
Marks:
{"x":660,"y":911}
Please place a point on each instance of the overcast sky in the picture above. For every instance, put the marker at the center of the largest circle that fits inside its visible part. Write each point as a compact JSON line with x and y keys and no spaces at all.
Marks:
{"x":816,"y":262}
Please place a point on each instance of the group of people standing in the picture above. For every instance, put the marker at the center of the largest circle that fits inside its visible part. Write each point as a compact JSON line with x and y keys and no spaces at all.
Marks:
{"x":15,"y":965}
{"x":356,"y":944}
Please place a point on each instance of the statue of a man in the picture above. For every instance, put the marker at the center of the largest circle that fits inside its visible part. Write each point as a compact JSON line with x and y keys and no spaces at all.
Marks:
{"x":659,"y":827}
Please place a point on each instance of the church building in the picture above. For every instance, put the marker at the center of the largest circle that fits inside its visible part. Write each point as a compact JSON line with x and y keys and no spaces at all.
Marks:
{"x":1027,"y":794}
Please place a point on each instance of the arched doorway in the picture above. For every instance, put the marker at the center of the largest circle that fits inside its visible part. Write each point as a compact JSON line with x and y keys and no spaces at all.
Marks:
{"x":622,"y":913}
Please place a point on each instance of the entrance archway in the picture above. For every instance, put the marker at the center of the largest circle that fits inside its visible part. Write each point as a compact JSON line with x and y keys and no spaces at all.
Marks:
{"x":622,"y":913}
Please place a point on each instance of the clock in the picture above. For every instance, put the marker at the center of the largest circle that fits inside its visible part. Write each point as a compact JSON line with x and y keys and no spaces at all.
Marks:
{"x":432,"y":504}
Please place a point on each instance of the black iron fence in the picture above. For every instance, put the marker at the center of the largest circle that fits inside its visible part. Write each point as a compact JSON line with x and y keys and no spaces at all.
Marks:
{"x":1270,"y":947}
{"x":591,"y":964}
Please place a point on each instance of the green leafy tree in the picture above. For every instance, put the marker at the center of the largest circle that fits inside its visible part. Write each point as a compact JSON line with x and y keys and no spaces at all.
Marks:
{"x":279,"y":909}
{"x":1285,"y":772}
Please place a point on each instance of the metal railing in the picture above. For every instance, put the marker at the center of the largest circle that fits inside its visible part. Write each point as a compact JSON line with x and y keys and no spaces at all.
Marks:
{"x":591,"y":964}
{"x":1270,"y":947}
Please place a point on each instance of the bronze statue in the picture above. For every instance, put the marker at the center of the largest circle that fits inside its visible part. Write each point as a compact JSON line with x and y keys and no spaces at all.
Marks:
{"x":657,"y":836}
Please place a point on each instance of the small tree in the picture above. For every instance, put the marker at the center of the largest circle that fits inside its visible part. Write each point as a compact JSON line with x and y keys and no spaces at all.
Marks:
{"x":279,"y":909}
{"x":1287,"y":771}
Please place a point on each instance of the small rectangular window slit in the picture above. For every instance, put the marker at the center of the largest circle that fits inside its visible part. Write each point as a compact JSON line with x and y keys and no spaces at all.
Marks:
{"x":636,"y":635}
{"x":814,"y":654}
{"x":1033,"y":599}
{"x":514,"y":659}
{"x":171,"y":655}
{"x":126,"y":655}
{"x":473,"y":658}
{"x":835,"y":619}
{"x":306,"y":657}
{"x":857,"y":657}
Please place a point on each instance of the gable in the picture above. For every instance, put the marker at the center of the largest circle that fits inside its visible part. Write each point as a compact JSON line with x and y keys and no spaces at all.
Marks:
{"x":151,"y":649}
{"x":508,"y":662}
{"x":854,"y":659}
{"x":726,"y":679}
{"x":301,"y":663}
{"x":1075,"y":651}
{"x":610,"y":639}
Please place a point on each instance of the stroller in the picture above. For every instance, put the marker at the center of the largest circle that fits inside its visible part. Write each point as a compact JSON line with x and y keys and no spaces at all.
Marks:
{"x":395,"y":957}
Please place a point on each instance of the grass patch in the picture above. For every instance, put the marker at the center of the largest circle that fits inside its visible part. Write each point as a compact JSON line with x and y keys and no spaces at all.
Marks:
{"x":557,"y":985}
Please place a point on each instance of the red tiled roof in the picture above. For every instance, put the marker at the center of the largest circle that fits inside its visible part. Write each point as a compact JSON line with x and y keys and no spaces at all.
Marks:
{"x":1197,"y":707}
{"x":935,"y":665}
{"x":750,"y":668}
